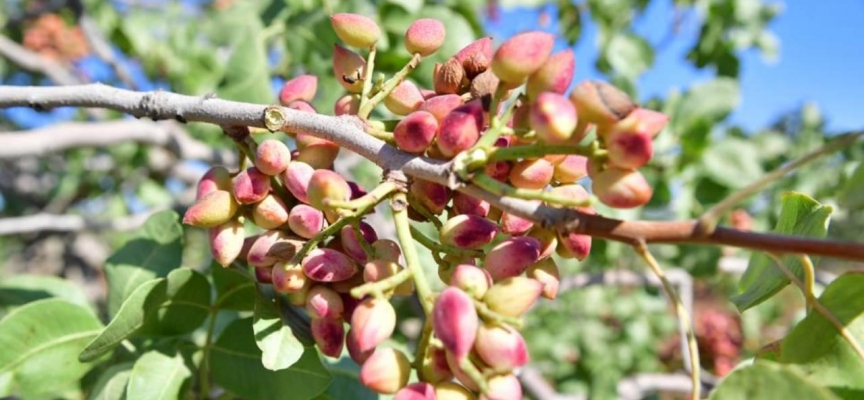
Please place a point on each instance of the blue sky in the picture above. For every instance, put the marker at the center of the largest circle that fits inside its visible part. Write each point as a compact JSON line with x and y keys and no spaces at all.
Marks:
{"x":821,"y":60}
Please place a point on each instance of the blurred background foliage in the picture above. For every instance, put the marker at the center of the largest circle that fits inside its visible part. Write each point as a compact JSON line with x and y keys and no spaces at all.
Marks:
{"x":583,"y":343}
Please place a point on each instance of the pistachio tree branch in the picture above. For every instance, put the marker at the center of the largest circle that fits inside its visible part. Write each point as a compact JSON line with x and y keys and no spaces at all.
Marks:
{"x":349,"y":132}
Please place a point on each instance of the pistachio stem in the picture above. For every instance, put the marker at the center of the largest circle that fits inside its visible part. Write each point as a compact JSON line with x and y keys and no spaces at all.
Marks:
{"x":537,"y":150}
{"x":387,"y":88}
{"x":367,"y":82}
{"x":378,"y":288}
{"x":374,"y":197}
{"x":399,"y":205}
{"x":441,"y":248}
{"x":488,"y":315}
{"x":490,"y":184}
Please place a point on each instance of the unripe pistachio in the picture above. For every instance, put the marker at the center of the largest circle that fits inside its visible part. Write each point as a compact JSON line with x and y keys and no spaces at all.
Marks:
{"x":511,"y":257}
{"x":216,"y":178}
{"x":296,"y":178}
{"x":318,"y":153}
{"x":449,"y":263}
{"x":467,"y":232}
{"x":404,"y":99}
{"x":571,"y":169}
{"x":386,"y":371}
{"x":554,"y":76}
{"x":484,"y":84}
{"x":513,"y":296}
{"x":434,"y":368}
{"x":425,"y":36}
{"x":415,"y":132}
{"x":546,"y":272}
{"x":357,"y":192}
{"x":329,"y":335}
{"x":386,"y":249}
{"x":305,"y":221}
{"x":600,"y":103}
{"x":467,"y":204}
{"x":522,"y":55}
{"x":621,"y":188}
{"x":459,"y":372}
{"x":531,"y":174}
{"x":471,"y":279}
{"x":644,"y":121}
{"x":212,"y":210}
{"x":372,"y":322}
{"x":416,"y":391}
{"x":323,"y":302}
{"x":226,"y":241}
{"x":326,"y":185}
{"x":298,"y":298}
{"x":348,"y":284}
{"x":251,"y":186}
{"x":499,"y":170}
{"x":553,"y":118}
{"x":354,"y":351}
{"x":515,"y":225}
{"x":460,"y":129}
{"x":301,"y":105}
{"x":270,"y":213}
{"x":503,"y":387}
{"x":501,"y":347}
{"x":574,"y":245}
{"x":289,"y":278}
{"x":247,"y":245}
{"x":454,"y":321}
{"x":434,"y":197}
{"x":628,"y":150}
{"x":328,"y":265}
{"x":349,"y":68}
{"x":351,"y":243}
{"x":355,"y":30}
{"x":476,"y":56}
{"x":453,"y":391}
{"x":264,"y":275}
{"x":348,"y":104}
{"x":272,"y":157}
{"x":440,"y":106}
{"x":448,"y":77}
{"x":548,"y":240}
{"x":302,"y":87}
{"x":379,"y":269}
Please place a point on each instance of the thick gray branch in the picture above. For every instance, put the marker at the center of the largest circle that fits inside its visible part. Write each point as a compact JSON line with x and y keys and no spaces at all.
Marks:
{"x":68,"y":223}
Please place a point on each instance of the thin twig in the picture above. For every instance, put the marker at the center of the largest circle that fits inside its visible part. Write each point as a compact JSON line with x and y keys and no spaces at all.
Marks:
{"x":68,"y":223}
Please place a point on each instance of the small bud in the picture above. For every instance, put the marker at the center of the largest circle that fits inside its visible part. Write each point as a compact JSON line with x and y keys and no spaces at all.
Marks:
{"x":354,"y":351}
{"x":503,"y":387}
{"x":386,"y":371}
{"x":404,"y":99}
{"x":349,"y":68}
{"x":296,"y":178}
{"x":522,"y":55}
{"x":476,"y":56}
{"x":471,"y":279}
{"x":601,"y":103}
{"x":328,"y":265}
{"x":467,"y":232}
{"x":259,"y":253}
{"x":432,"y":196}
{"x":272,"y":157}
{"x":532,"y":173}
{"x":440,"y":106}
{"x":355,"y":30}
{"x":305,"y":221}
{"x":513,"y":296}
{"x":460,"y":129}
{"x":416,"y":391}
{"x":511,"y":257}
{"x":548,"y":240}
{"x":416,"y":132}
{"x":515,"y":225}
{"x":448,"y":77}
{"x":372,"y":322}
{"x":572,"y":169}
{"x":270,"y":213}
{"x":351,"y":243}
{"x":553,"y":118}
{"x":453,"y":391}
{"x":301,"y":88}
{"x":251,"y":186}
{"x":628,"y":150}
{"x":621,"y":188}
{"x":323,"y":302}
{"x":226,"y":242}
{"x":454,"y":321}
{"x":546,"y":272}
{"x":216,"y":178}
{"x":329,"y":335}
{"x":434,"y":367}
{"x":501,"y":347}
{"x":466,"y":204}
{"x":212,"y":210}
{"x":348,"y":104}
{"x":288,"y":278}
{"x":425,"y":36}
{"x":386,"y":249}
{"x":264,"y":275}
{"x":554,"y":76}
{"x":326,"y":185}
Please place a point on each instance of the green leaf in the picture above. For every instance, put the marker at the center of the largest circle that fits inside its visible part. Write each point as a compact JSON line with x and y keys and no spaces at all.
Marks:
{"x":128,"y":320}
{"x":852,"y":194}
{"x":235,"y":290}
{"x":247,"y":75}
{"x":629,"y":55}
{"x":733,"y":162}
{"x":21,"y":289}
{"x":765,"y":380}
{"x":236,"y":366}
{"x":39,"y":343}
{"x":156,"y":250}
{"x":700,"y":108}
{"x":346,"y":381}
{"x":816,"y":346}
{"x":279,"y":347}
{"x":182,"y":308}
{"x":112,"y":383}
{"x":157,"y":376}
{"x":800,"y":215}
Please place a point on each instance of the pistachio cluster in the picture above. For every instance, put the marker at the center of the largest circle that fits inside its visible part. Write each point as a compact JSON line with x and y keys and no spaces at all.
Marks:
{"x":504,"y":120}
